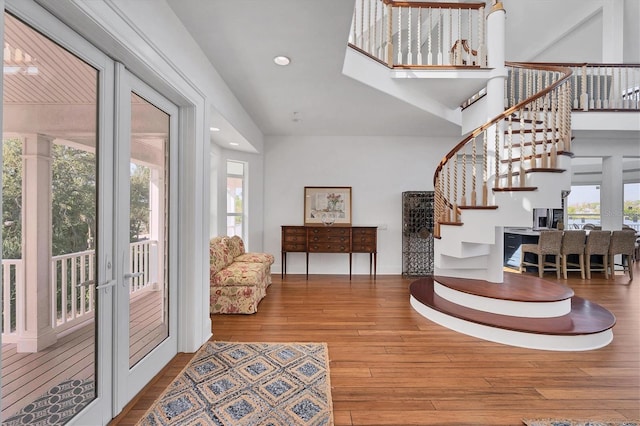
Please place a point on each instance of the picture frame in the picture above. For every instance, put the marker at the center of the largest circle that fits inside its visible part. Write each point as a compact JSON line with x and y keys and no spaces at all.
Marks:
{"x":327,"y":205}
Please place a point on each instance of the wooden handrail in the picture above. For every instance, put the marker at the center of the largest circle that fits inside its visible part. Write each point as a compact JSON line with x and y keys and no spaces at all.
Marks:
{"x":506,"y":113}
{"x":588,"y":64}
{"x":435,"y":5}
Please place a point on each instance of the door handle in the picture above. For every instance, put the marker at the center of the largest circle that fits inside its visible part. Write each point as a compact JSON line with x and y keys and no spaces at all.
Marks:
{"x":129,"y":275}
{"x":107,"y":284}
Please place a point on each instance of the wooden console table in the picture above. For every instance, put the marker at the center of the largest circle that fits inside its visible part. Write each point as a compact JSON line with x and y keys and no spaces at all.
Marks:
{"x":330,"y":239}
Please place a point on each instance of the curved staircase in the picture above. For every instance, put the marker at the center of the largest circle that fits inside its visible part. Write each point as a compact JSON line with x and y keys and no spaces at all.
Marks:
{"x":494,"y":178}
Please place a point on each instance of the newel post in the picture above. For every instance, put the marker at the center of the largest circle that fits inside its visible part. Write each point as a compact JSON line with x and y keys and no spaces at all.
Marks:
{"x":495,"y":86}
{"x":495,"y":106}
{"x":35,"y":299}
{"x":495,"y":59}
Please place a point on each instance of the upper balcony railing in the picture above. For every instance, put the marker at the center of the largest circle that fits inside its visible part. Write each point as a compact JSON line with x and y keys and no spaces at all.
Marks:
{"x":402,"y":33}
{"x":594,"y":87}
{"x":72,"y":285}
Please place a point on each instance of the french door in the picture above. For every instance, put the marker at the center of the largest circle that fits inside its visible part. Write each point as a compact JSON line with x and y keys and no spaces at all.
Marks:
{"x":146,"y":320}
{"x":101,"y":312}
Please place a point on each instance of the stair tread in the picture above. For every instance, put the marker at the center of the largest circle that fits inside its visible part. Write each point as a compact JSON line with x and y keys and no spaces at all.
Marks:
{"x":585,"y":317}
{"x":470,"y":207}
{"x":518,"y":287}
{"x":515,"y":189}
{"x":535,"y":170}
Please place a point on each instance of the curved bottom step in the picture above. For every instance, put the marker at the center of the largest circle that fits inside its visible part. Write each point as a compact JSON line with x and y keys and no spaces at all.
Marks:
{"x":588,"y":326}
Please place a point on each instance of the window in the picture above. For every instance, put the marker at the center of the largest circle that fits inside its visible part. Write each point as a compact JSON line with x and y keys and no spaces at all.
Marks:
{"x":632,"y":205}
{"x":236,"y":173}
{"x":583,"y":206}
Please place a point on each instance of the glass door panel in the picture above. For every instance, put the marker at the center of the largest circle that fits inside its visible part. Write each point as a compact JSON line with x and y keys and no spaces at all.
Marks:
{"x":50,"y":258}
{"x":148,"y":219}
{"x":146,"y":319}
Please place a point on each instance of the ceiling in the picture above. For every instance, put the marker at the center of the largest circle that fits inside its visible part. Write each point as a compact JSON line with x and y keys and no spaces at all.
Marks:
{"x":311,"y":96}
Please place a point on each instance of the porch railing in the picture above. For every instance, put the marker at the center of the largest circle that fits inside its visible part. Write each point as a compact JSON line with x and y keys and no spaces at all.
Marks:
{"x":73,"y":286}
{"x":407,"y":33}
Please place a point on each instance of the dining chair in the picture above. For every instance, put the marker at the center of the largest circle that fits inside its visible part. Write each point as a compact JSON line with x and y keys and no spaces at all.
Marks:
{"x":624,"y":243}
{"x":573,"y":243}
{"x":549,"y":243}
{"x":597,"y":244}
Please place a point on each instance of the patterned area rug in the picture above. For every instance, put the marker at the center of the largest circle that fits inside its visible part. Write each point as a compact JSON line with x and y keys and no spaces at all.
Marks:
{"x":57,"y":406}
{"x":238,"y":384}
{"x":566,"y":422}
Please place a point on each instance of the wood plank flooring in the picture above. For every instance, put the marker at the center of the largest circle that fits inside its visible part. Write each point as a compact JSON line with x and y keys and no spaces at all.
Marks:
{"x":391,"y":366}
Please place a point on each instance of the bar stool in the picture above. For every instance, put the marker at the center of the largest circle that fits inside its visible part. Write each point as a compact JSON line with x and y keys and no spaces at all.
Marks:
{"x":549,"y":243}
{"x":597,"y":244}
{"x":573,"y":242}
{"x":624,"y":243}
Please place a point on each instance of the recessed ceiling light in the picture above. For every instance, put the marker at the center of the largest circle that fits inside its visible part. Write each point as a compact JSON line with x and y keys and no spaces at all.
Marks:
{"x":214,"y":129}
{"x":282,"y":60}
{"x":234,"y":143}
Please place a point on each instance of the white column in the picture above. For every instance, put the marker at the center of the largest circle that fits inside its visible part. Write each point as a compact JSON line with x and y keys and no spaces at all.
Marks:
{"x":612,"y":193}
{"x":34,"y":326}
{"x":495,"y":59}
{"x":613,"y":31}
{"x":495,"y":105}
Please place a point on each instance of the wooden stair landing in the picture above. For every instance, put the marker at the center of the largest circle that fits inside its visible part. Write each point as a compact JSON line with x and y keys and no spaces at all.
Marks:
{"x":516,"y":287}
{"x":585,"y":317}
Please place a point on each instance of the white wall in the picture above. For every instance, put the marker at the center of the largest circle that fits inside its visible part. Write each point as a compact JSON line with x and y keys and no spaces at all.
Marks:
{"x":378,"y":169}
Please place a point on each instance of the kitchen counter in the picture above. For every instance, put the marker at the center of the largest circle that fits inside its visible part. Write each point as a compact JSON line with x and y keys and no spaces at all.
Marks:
{"x":513,"y":239}
{"x":522,"y":231}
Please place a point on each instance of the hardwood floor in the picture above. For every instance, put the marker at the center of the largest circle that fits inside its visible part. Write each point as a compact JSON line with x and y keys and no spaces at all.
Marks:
{"x":391,"y":366}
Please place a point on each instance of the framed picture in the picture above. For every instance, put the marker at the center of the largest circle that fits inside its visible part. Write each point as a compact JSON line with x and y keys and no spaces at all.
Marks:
{"x":327,"y":205}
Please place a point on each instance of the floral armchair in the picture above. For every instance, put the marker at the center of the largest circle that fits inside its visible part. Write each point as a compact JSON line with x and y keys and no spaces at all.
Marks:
{"x":236,"y":287}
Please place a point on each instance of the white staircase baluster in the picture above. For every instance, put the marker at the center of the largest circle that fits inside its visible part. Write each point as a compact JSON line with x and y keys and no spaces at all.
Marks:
{"x":473,"y":172}
{"x":389,"y":49}
{"x":592,"y":103}
{"x":370,"y":39}
{"x":463,"y":199}
{"x":607,"y":89}
{"x":485,"y":169}
{"x":497,"y":156}
{"x":470,"y":37}
{"x":576,"y":102}
{"x":545,"y":116}
{"x":522,"y":113}
{"x":440,"y":41}
{"x":455,"y":188}
{"x":482,"y":54}
{"x":399,"y":35}
{"x":584,"y":97}
{"x":419,"y":38}
{"x":628,"y":90}
{"x":509,"y":154}
{"x":409,"y":31}
{"x":361,"y":24}
{"x":430,"y":28}
{"x":597,"y":95}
